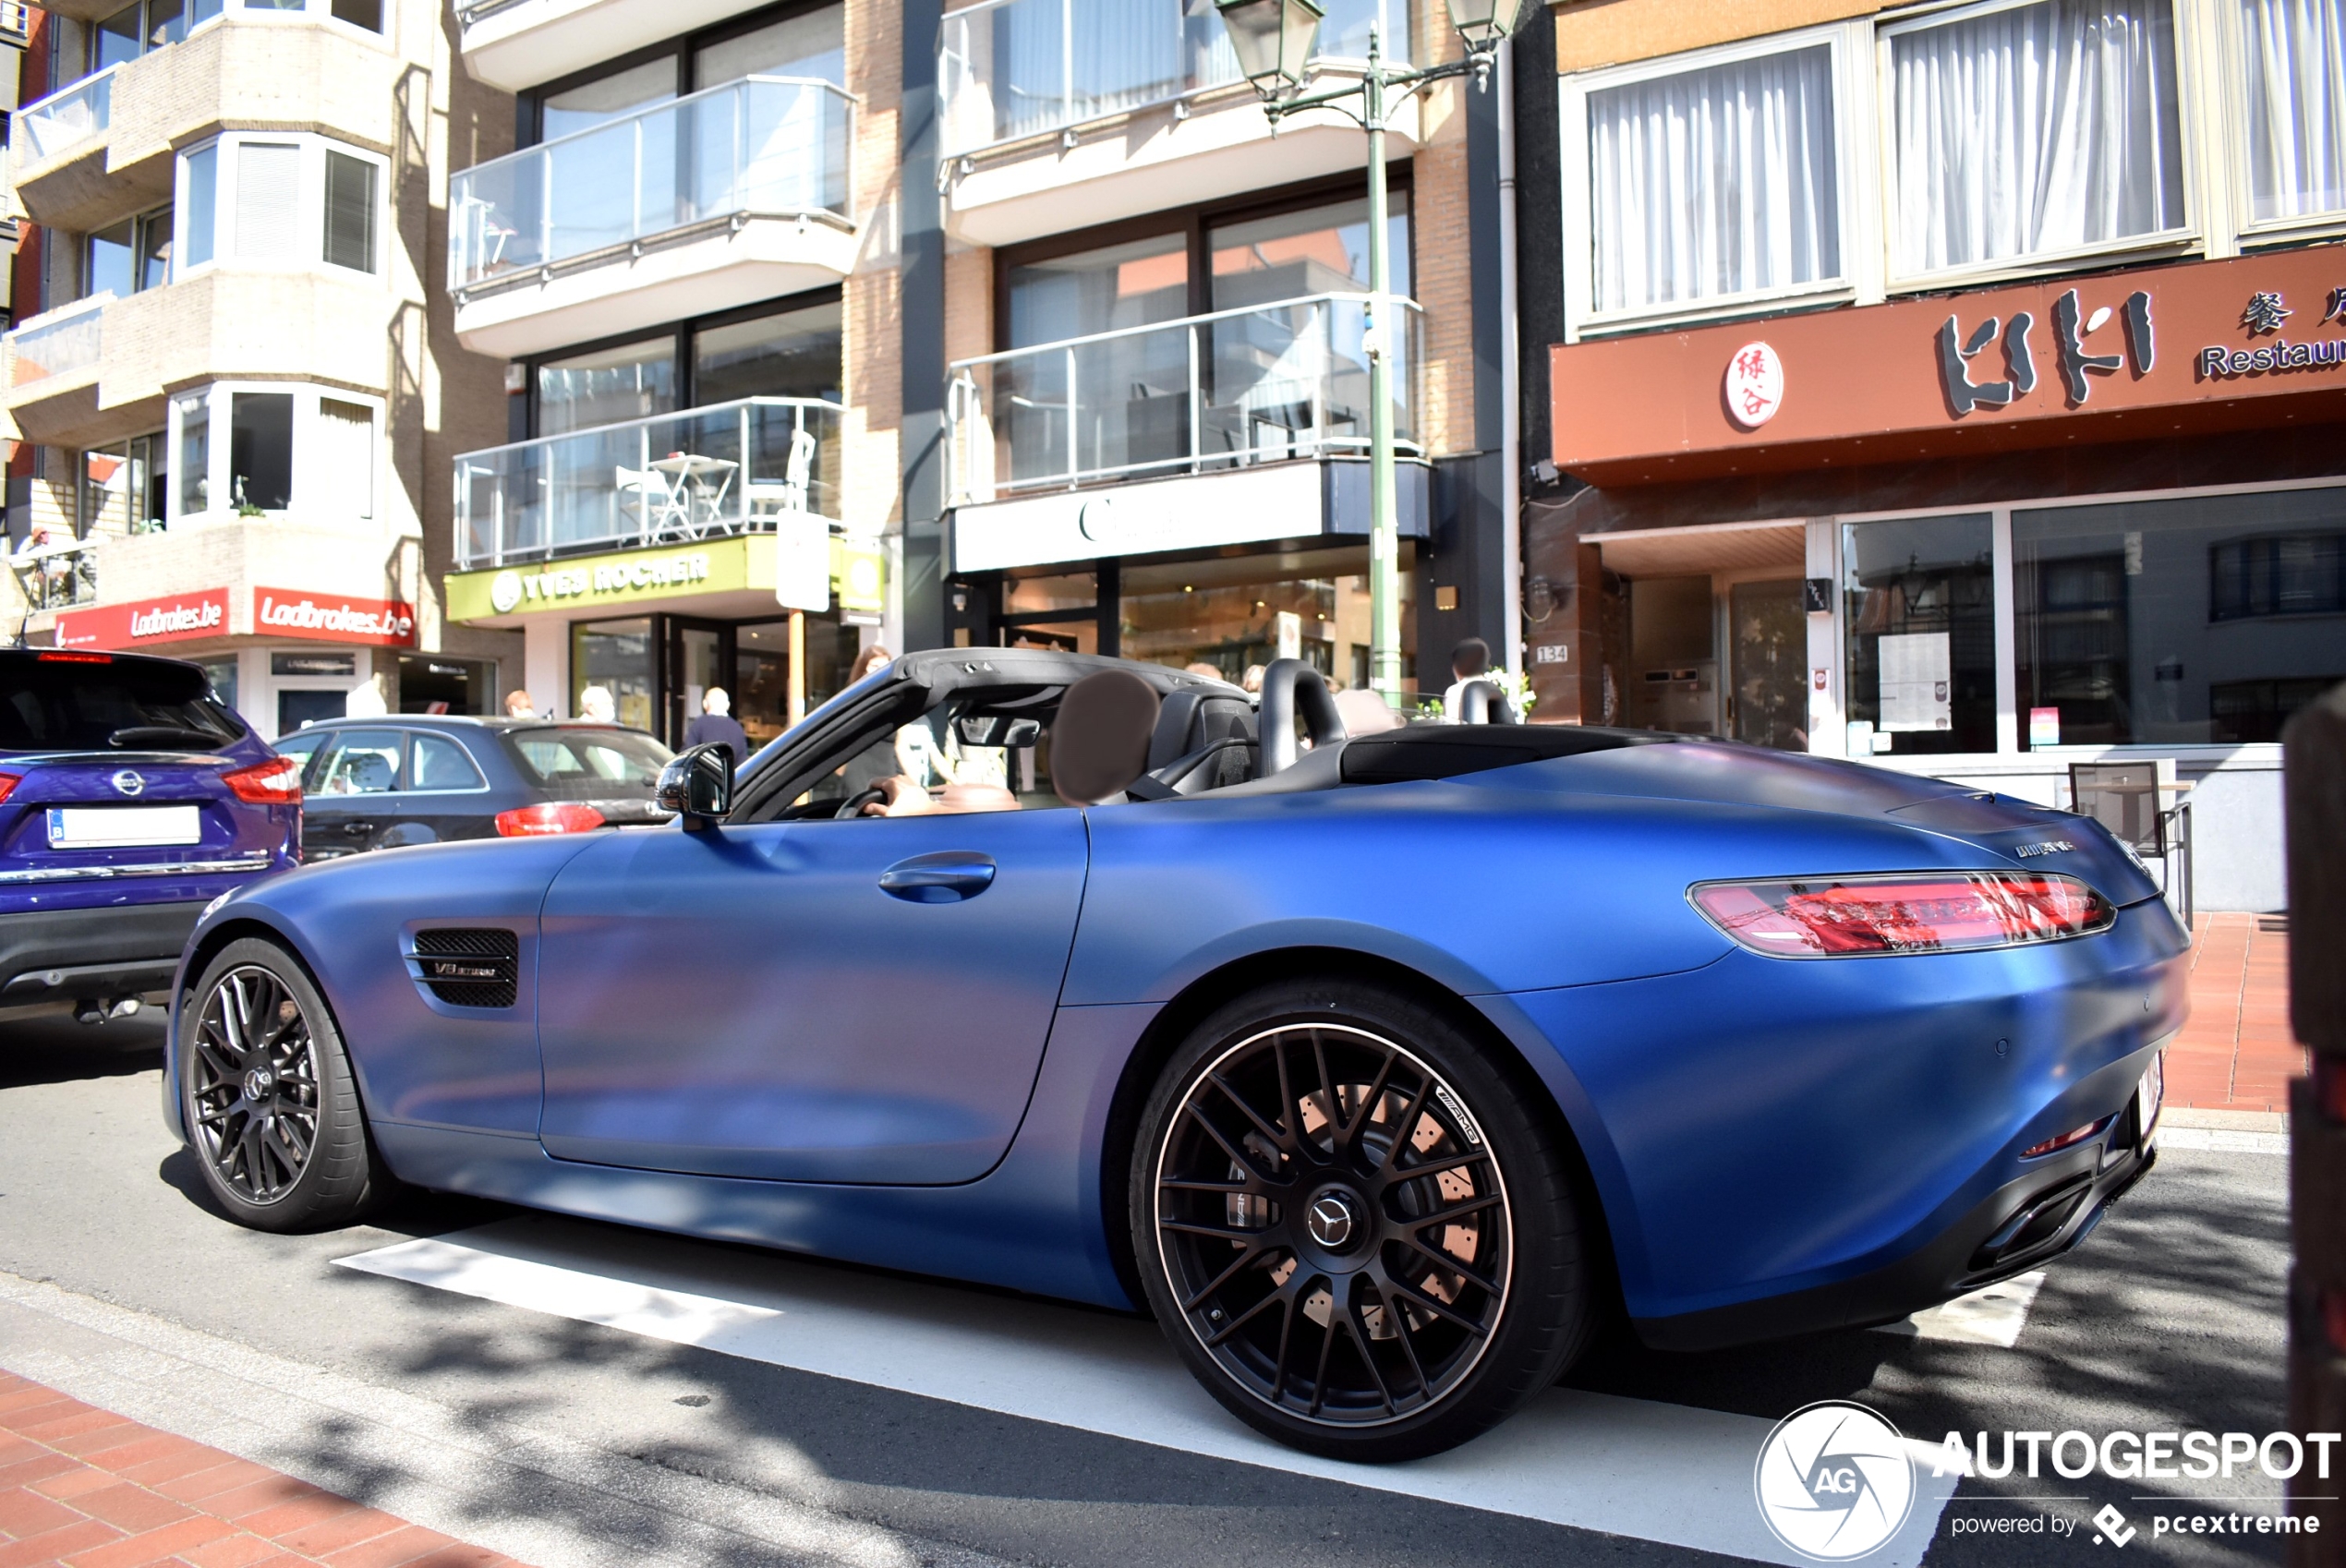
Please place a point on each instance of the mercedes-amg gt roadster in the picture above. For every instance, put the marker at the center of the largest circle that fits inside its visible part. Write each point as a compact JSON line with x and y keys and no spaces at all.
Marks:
{"x":1380,"y":1069}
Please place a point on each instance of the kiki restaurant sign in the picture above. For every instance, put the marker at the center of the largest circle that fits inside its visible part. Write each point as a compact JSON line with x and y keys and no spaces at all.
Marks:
{"x":2187,"y":349}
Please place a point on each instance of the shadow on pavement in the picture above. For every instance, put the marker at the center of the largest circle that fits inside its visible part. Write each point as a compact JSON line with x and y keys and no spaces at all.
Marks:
{"x":57,"y":1050}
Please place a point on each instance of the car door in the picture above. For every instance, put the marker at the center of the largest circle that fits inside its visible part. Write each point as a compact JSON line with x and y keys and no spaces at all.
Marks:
{"x":354,"y":794}
{"x":446,"y":798}
{"x":863,"y":1000}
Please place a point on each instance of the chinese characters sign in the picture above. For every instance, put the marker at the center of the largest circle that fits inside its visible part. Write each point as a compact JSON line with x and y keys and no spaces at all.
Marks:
{"x":1754,"y":389}
{"x":2266,"y":315}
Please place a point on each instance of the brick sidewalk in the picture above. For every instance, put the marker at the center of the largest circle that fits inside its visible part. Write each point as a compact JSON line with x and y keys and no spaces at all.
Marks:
{"x":83,"y":1486}
{"x":2236,"y":1053}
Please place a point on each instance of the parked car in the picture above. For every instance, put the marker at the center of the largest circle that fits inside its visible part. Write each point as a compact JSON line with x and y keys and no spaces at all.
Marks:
{"x":130,"y":798}
{"x":1379,"y":1070}
{"x":416,"y":778}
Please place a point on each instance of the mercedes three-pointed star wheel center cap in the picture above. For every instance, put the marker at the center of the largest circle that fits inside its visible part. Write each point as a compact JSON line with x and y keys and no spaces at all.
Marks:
{"x":1335,"y":1221}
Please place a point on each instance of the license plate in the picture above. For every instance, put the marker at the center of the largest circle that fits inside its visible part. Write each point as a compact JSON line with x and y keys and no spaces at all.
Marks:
{"x":122,"y":827}
{"x":2149,"y":1094}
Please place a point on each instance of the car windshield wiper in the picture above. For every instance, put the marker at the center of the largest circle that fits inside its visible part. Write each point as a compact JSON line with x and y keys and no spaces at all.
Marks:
{"x":170,"y":737}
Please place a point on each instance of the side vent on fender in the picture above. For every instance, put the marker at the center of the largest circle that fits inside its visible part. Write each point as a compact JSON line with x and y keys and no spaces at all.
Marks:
{"x":468,"y":967}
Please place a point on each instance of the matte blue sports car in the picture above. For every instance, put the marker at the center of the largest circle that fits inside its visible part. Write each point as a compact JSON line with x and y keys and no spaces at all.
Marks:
{"x":1379,"y":1069}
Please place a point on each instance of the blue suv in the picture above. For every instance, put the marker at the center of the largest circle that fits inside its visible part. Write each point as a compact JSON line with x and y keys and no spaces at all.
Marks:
{"x":130,"y":799}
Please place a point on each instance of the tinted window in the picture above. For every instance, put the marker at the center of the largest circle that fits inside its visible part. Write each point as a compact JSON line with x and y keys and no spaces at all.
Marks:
{"x":589,"y":762}
{"x":302,"y":748}
{"x":364,"y":761}
{"x":62,"y":705}
{"x":441,"y":763}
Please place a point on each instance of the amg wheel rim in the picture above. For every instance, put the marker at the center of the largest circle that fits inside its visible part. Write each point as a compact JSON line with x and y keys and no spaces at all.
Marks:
{"x":252,"y":1088}
{"x":1333,"y":1225}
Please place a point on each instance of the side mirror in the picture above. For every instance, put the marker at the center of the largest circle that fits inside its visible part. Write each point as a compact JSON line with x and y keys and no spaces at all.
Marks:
{"x":699,"y":786}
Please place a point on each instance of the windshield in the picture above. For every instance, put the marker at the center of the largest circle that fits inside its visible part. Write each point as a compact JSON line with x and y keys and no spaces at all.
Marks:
{"x":88,"y":705}
{"x":589,"y":762}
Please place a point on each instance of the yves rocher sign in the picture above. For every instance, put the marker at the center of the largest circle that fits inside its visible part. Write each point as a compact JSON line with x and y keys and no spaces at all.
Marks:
{"x":178,"y":618}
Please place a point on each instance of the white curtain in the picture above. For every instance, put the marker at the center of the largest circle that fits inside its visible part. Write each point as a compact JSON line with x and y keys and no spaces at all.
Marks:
{"x":1714,"y":182}
{"x":268,"y":202}
{"x":2296,"y":57}
{"x":347,"y":432}
{"x":2041,"y":128}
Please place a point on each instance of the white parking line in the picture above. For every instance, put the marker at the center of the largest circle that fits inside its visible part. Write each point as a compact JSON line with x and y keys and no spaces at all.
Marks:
{"x":1990,"y":1315}
{"x":1626,"y":1467}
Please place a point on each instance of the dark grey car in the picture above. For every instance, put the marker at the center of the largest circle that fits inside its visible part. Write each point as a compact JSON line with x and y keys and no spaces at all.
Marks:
{"x":416,"y":778}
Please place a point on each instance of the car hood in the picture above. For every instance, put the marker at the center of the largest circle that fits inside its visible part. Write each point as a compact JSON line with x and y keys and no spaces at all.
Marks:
{"x":2014,"y":831}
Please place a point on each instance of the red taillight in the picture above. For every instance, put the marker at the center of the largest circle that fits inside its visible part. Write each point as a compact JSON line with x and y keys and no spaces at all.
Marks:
{"x":2074,"y":1136}
{"x":548,"y":817}
{"x":8,"y":781}
{"x":53,"y":656}
{"x":1858,"y":916}
{"x":276,"y":782}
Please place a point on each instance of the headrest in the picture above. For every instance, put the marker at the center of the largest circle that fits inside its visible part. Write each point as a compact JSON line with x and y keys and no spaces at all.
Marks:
{"x":1100,"y":740}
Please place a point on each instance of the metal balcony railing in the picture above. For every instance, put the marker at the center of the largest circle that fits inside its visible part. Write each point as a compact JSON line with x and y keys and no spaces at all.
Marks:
{"x":705,"y":472}
{"x":57,"y":576}
{"x":1007,"y":69}
{"x":67,"y":116}
{"x":1255,"y":384}
{"x":768,"y":146}
{"x":59,"y":342}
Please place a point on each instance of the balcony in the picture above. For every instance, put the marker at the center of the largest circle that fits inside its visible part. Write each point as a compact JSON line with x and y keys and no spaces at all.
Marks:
{"x":52,"y":367}
{"x":1257,"y":384}
{"x":729,"y":195}
{"x":1056,"y":114}
{"x":101,"y":149}
{"x":513,"y":44}
{"x":732,"y":468}
{"x":62,"y":577}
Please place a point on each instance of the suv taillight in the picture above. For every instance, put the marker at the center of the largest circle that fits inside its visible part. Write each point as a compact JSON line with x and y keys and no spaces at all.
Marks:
{"x":548,"y":817}
{"x":8,"y":781}
{"x":1820,"y":917}
{"x":276,"y":782}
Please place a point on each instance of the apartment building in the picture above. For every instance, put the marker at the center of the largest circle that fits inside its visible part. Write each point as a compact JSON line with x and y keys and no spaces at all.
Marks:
{"x":233,"y":383}
{"x":1957,"y":387}
{"x":838,"y":322}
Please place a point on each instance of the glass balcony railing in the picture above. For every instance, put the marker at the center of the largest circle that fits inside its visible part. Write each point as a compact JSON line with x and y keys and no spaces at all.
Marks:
{"x":59,"y":342}
{"x":1013,"y":69}
{"x":766,"y":145}
{"x":1255,"y":384}
{"x":65,"y":117}
{"x":706,"y":473}
{"x":56,"y":576}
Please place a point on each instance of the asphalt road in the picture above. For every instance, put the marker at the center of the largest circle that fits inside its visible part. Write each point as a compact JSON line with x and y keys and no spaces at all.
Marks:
{"x":567,"y":1442}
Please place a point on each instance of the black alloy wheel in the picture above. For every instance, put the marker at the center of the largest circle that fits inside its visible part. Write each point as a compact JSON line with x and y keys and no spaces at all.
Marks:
{"x":267,"y":1096}
{"x":1328,"y":1224}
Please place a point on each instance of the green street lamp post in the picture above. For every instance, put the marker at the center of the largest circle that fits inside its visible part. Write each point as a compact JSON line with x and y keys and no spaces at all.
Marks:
{"x":1272,"y":39}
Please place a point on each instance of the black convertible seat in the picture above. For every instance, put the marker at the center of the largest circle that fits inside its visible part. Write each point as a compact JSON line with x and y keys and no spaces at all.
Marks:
{"x":1446,"y":751}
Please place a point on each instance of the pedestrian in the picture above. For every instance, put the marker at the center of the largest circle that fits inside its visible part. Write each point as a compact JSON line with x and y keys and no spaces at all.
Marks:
{"x":518,"y":705}
{"x":595,"y":706}
{"x":1254,"y":681}
{"x":1470,"y":661}
{"x":1199,"y":667}
{"x":716,"y":723}
{"x":871,"y":658}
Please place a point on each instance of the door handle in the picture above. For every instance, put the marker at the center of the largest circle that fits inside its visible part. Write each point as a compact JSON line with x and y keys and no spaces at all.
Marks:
{"x":358,"y":829}
{"x":944,"y":878}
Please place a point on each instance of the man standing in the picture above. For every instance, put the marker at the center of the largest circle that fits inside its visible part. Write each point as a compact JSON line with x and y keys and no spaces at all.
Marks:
{"x":1470,"y":661}
{"x":716,"y":723}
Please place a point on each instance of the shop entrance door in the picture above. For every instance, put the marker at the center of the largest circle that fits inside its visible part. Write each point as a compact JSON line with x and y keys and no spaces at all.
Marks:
{"x":1768,"y":649}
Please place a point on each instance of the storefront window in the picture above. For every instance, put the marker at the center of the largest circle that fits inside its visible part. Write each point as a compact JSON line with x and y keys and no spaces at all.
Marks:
{"x":1241,"y":610}
{"x":2205,"y":620}
{"x":1920,"y":625}
{"x":1031,"y":596}
{"x":616,"y":655}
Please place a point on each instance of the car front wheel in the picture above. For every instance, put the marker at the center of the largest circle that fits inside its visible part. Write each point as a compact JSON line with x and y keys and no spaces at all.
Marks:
{"x":269,"y":1101}
{"x":1352,"y":1228}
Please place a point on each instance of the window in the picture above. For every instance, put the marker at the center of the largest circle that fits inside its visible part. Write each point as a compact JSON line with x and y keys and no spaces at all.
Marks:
{"x":1097,"y":291}
{"x":261,"y":451}
{"x":193,"y":415}
{"x":127,"y":257}
{"x":2034,"y":130}
{"x":614,"y":657}
{"x":280,"y":200}
{"x":350,"y":211}
{"x":1714,"y":183}
{"x":152,"y":262}
{"x":2199,"y":619}
{"x":1920,"y":629}
{"x":2295,"y":52}
{"x":1312,"y":251}
{"x":438,"y":763}
{"x":363,"y":762}
{"x":788,"y":354}
{"x":368,"y":14}
{"x":124,"y":486}
{"x":607,"y":385}
{"x":810,"y":44}
{"x":606,"y":98}
{"x":346,"y":434}
{"x":136,"y":29}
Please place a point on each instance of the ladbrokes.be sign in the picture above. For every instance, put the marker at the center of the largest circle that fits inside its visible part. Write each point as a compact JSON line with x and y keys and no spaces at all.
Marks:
{"x":332,"y":618}
{"x":179,"y":618}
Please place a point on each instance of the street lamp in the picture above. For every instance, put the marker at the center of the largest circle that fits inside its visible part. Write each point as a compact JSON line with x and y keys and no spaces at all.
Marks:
{"x":1272,"y":39}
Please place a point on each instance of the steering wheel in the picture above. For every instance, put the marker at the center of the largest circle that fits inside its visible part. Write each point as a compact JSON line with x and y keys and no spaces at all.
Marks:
{"x":853,"y":805}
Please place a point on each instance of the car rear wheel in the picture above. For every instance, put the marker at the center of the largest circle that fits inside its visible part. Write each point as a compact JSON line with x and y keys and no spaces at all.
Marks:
{"x":1351,"y":1227}
{"x":267,"y":1098}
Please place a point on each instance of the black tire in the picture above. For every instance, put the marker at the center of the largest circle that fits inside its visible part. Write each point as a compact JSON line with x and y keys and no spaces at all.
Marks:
{"x":267,"y":1097}
{"x":1287,"y":1256}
